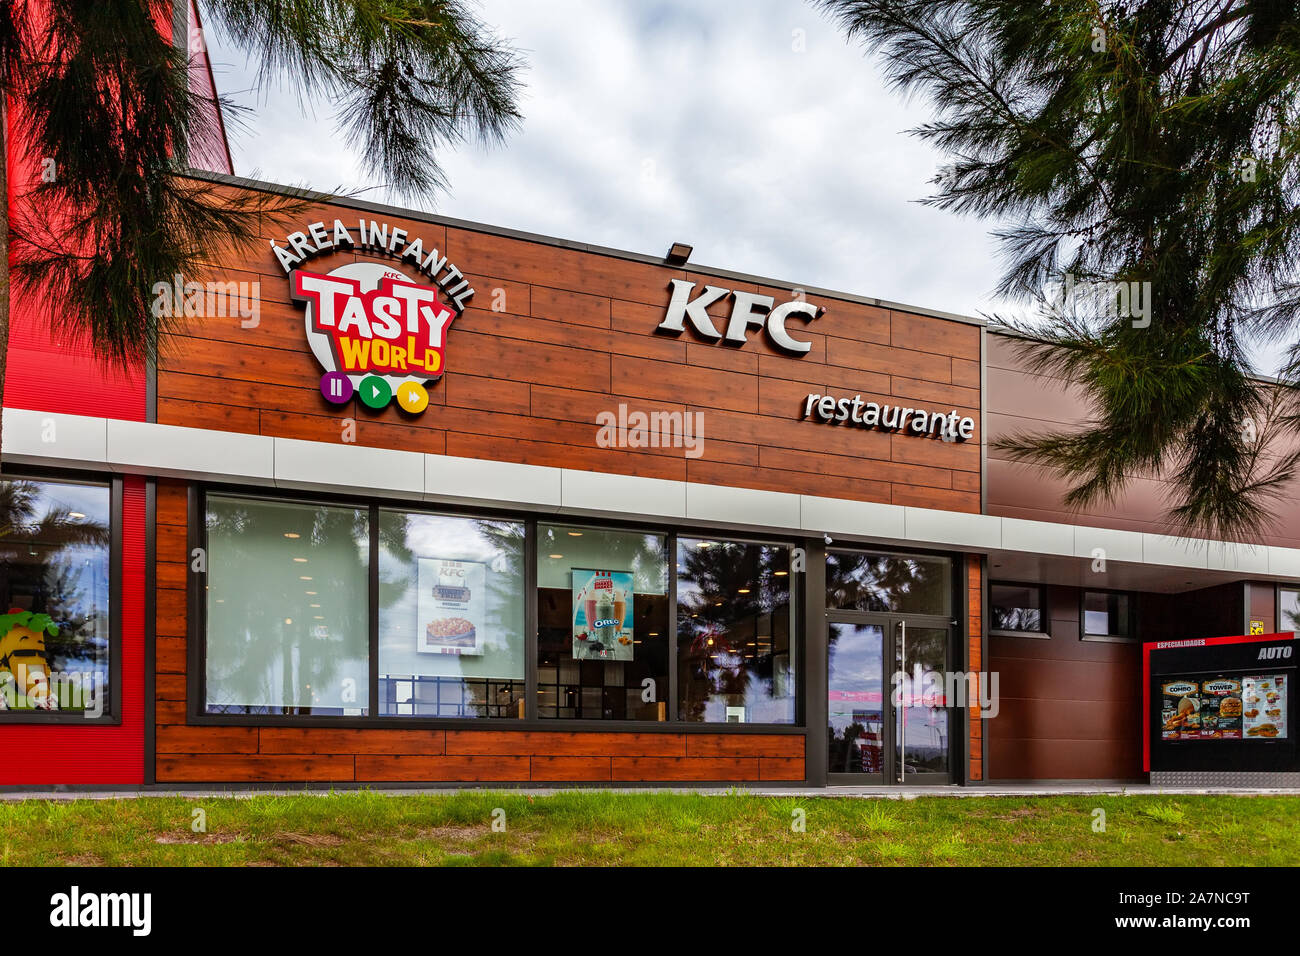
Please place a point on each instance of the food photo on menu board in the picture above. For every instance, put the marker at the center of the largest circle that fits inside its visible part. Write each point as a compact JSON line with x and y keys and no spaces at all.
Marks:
{"x":602,"y":615}
{"x":1180,"y":710}
{"x":1264,"y":696}
{"x":451,"y":606}
{"x":1220,"y":709}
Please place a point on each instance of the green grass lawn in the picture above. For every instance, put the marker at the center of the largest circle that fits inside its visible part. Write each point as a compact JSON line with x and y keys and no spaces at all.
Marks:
{"x":594,"y":828}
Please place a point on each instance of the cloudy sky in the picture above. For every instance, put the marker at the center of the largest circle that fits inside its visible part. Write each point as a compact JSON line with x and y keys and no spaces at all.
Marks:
{"x":751,"y":130}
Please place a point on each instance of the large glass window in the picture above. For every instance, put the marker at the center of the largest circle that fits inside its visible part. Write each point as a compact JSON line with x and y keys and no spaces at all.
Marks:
{"x":734,"y":622}
{"x":602,"y":624}
{"x":1106,"y":614}
{"x":308,"y":606}
{"x":451,"y":616}
{"x":288,"y":608}
{"x":883,"y":582}
{"x":1016,"y":607}
{"x":54,"y":595}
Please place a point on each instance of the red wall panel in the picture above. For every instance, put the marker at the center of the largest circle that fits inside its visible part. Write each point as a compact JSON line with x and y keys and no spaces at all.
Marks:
{"x":89,"y":753}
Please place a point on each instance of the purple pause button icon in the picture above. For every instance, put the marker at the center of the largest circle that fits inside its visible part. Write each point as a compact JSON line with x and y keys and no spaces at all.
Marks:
{"x":336,"y":387}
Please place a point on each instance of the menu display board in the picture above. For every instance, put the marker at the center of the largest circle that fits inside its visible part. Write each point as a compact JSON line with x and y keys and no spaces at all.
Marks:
{"x":1264,"y":716}
{"x":451,"y":606}
{"x":1250,"y":707}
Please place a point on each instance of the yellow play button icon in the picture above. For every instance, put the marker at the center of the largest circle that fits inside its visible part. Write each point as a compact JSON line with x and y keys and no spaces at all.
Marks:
{"x":413,"y":397}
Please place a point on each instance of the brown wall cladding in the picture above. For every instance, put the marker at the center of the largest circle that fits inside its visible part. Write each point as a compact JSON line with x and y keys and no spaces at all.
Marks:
{"x":555,"y":335}
{"x":189,"y":753}
{"x":975,"y":662}
{"x":1069,"y":709}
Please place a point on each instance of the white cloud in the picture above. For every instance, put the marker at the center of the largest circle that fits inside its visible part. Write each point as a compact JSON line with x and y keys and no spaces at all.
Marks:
{"x":651,"y":122}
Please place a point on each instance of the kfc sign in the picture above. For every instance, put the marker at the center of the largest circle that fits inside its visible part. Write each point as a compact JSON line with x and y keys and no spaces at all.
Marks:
{"x":747,"y":309}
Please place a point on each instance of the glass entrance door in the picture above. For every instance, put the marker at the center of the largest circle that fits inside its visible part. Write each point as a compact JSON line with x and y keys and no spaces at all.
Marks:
{"x":921,"y":716}
{"x":887,"y":713}
{"x":858,"y":709}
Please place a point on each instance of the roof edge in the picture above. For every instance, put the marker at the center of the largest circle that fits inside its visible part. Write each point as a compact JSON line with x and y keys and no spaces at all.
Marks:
{"x":470,"y":225}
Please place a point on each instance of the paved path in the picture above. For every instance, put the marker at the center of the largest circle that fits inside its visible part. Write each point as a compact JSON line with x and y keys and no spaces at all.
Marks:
{"x":878,"y":793}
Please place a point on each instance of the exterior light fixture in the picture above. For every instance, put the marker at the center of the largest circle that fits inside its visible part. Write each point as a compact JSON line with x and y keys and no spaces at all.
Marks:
{"x":678,"y":253}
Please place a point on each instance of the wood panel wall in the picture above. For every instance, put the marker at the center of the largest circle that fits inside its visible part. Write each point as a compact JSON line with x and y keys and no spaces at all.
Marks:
{"x":555,"y":335}
{"x":188,"y":753}
{"x":975,"y":662}
{"x":1069,"y":709}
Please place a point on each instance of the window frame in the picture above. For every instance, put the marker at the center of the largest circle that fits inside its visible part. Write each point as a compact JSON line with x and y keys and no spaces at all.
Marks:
{"x":1130,"y":638}
{"x":1278,"y":588}
{"x":952,"y":594}
{"x":528,"y":575}
{"x":197,"y":598}
{"x":531,"y":625}
{"x":196,"y":615}
{"x":112,"y":716}
{"x":1044,"y":632}
{"x":798,"y":614}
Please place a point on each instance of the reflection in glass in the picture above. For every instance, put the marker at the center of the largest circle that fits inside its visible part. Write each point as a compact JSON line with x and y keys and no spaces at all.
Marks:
{"x":1290,"y":600}
{"x":601,"y":689}
{"x":883,"y":582}
{"x":922,"y":742}
{"x":464,"y":656}
{"x":855,"y":698}
{"x":734,"y":621}
{"x":1016,"y":607}
{"x":1105,"y":614}
{"x":54,"y":596}
{"x":287,"y":609}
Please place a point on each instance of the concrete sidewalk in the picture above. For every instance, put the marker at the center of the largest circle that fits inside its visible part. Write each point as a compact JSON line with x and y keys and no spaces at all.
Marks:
{"x":857,"y":793}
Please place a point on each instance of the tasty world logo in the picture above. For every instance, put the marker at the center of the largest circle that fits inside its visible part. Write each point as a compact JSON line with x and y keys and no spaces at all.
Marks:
{"x":378,"y":332}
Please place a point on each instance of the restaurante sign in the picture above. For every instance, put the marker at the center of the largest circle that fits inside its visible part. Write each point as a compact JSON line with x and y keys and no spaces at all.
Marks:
{"x":946,"y":426}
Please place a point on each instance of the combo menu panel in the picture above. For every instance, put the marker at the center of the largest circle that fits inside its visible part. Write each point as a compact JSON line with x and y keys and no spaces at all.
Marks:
{"x":1220,"y":703}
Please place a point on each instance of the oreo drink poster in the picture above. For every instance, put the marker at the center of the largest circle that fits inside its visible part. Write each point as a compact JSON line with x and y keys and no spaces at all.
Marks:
{"x":602,"y":615}
{"x":451,"y":606}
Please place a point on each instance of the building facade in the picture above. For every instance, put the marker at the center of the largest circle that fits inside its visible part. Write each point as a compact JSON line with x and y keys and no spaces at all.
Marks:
{"x":418,"y":501}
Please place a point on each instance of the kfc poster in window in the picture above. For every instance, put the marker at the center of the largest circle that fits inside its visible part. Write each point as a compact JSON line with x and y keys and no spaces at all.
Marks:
{"x":602,"y":615}
{"x":451,"y":606}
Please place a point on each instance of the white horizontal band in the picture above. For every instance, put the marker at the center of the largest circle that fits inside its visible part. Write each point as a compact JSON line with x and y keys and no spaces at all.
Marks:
{"x":105,"y":444}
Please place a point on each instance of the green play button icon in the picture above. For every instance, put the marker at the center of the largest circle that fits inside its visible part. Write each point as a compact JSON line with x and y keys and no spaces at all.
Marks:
{"x":374,"y":391}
